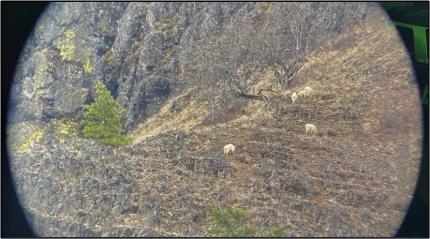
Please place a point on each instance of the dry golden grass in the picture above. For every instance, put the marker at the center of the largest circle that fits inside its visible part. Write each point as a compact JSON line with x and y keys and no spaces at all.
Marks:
{"x":362,"y":91}
{"x":164,"y":121}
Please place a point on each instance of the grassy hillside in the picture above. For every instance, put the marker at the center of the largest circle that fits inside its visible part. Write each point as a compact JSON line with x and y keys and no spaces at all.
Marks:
{"x":340,"y":181}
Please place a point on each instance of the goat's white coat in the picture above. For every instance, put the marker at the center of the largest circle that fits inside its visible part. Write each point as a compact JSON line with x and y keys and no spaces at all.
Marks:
{"x":305,"y":92}
{"x":229,"y":148}
{"x":310,"y":129}
{"x":294,"y":97}
{"x":302,"y":93}
{"x":308,"y":90}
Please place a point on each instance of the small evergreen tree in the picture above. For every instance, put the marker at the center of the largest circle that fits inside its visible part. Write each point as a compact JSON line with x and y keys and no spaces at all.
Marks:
{"x":231,"y":222}
{"x":102,"y":119}
{"x":235,"y":222}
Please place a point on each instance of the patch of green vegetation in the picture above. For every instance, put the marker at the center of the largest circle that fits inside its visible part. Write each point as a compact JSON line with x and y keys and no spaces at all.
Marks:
{"x":66,"y":43}
{"x":231,"y":222}
{"x":35,"y":137}
{"x":102,"y":119}
{"x":276,"y":232}
{"x":234,"y":222}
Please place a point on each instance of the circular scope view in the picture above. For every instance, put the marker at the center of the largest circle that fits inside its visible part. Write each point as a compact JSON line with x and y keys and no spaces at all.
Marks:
{"x":215,"y":119}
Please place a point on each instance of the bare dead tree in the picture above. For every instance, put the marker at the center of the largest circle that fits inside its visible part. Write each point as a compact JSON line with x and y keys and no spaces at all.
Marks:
{"x":301,"y":29}
{"x":241,"y":55}
{"x":229,"y":63}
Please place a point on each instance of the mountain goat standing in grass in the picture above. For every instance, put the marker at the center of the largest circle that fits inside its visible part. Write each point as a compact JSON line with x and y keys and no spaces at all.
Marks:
{"x":229,"y":148}
{"x":305,"y":92}
{"x":294,"y":97}
{"x":302,"y":93}
{"x":308,"y":90}
{"x":310,"y":129}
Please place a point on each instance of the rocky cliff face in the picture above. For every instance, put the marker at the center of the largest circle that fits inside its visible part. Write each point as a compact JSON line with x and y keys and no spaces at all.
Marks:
{"x":157,"y":60}
{"x":138,"y":50}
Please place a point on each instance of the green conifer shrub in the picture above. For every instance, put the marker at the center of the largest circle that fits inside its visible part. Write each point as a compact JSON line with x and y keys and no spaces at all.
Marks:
{"x":102,"y":119}
{"x":235,"y":222}
{"x":231,"y":222}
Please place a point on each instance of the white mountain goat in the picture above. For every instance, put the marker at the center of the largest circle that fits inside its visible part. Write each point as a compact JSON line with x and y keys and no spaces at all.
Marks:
{"x":302,"y":93}
{"x":294,"y":97}
{"x":229,"y":148}
{"x":308,"y":90}
{"x":305,"y":92}
{"x":310,"y":129}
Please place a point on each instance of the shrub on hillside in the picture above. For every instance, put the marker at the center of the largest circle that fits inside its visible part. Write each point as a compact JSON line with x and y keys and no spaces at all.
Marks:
{"x":102,"y":119}
{"x":234,"y":222}
{"x":231,"y":222}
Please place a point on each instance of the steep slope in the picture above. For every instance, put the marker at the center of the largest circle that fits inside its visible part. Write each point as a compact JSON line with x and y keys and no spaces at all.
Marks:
{"x":354,"y":177}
